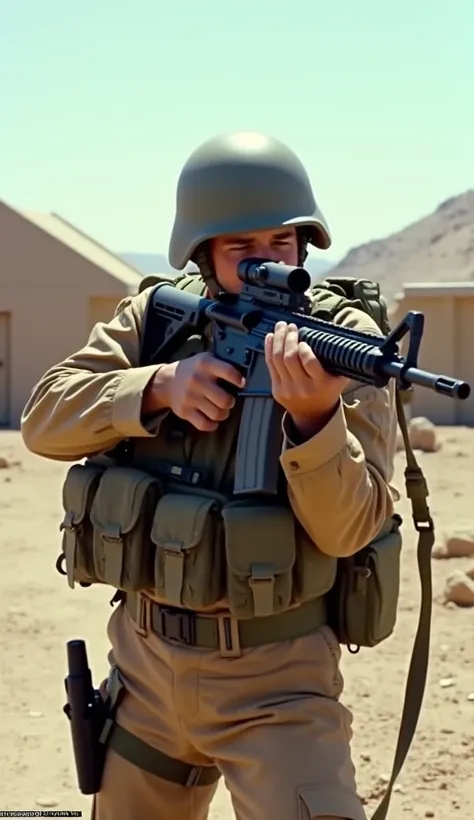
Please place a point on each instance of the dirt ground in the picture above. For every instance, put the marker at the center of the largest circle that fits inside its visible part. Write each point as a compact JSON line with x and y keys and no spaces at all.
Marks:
{"x":39,"y":613}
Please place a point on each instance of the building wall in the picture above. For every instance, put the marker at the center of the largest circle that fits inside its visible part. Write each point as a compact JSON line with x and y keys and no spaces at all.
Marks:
{"x":45,"y":289}
{"x":447,"y":348}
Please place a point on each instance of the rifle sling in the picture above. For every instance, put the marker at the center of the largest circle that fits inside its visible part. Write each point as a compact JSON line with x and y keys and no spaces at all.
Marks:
{"x":417,"y":492}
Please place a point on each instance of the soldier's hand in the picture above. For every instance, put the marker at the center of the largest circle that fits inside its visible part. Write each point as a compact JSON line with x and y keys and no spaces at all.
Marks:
{"x":299,"y":382}
{"x":189,"y":388}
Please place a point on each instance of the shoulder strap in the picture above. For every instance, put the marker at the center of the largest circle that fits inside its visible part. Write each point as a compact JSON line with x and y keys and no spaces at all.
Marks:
{"x":192,"y":282}
{"x":183,"y":281}
{"x":417,"y":492}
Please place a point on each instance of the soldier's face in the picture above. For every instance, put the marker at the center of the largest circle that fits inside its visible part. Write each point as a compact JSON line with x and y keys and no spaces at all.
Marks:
{"x":279,"y":245}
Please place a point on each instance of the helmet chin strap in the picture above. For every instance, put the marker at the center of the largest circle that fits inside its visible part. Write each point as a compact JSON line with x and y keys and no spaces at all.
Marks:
{"x":303,"y":240}
{"x":202,"y":259}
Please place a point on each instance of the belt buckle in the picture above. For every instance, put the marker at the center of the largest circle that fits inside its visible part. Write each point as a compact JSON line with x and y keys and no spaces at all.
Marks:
{"x":178,"y":626}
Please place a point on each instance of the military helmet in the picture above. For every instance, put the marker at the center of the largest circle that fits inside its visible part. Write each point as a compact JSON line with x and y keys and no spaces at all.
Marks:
{"x":241,"y":182}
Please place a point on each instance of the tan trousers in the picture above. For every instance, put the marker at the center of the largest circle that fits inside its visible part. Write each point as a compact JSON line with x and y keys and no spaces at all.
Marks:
{"x":270,"y":720}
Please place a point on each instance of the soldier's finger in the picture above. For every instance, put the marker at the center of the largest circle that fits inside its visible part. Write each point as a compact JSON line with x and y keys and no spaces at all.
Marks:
{"x":223,"y":370}
{"x":311,"y":365}
{"x":201,"y":422}
{"x":291,"y":356}
{"x":269,"y":358}
{"x":215,"y":394}
{"x":278,"y":348}
{"x":209,"y":409}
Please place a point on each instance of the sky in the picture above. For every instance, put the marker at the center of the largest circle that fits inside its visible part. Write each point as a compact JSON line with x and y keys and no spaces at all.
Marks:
{"x":101,"y":103}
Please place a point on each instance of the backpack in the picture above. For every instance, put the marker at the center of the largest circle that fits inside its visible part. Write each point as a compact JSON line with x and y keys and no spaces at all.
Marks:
{"x":337,"y":293}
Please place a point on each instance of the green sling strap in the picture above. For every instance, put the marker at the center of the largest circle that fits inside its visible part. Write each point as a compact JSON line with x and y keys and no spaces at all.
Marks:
{"x":417,"y":492}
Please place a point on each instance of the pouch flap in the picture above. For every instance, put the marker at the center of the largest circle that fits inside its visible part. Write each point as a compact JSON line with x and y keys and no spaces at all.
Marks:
{"x":260,"y":541}
{"x":119,"y":500}
{"x":179,"y":521}
{"x":81,"y":480}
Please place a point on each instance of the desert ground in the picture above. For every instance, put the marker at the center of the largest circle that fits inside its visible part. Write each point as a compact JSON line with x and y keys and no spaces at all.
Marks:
{"x":39,"y":613}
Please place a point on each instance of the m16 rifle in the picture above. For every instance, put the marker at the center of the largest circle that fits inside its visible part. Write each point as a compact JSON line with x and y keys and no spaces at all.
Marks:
{"x":274,"y":292}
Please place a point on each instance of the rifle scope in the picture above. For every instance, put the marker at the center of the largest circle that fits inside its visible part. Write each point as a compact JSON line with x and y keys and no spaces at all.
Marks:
{"x":289,"y":278}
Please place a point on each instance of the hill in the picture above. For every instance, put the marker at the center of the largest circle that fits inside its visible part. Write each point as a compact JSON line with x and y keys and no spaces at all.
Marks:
{"x":437,"y":248}
{"x":158,"y":263}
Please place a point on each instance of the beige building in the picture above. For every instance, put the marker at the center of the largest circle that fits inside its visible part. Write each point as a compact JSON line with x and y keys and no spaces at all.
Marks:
{"x":447,"y":347}
{"x":55,"y":284}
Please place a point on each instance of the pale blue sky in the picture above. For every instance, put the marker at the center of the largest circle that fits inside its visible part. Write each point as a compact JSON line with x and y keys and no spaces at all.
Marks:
{"x":101,"y":102}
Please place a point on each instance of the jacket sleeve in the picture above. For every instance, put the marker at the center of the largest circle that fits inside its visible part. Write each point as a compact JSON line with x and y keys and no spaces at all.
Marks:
{"x":92,"y":400}
{"x":339,"y":480}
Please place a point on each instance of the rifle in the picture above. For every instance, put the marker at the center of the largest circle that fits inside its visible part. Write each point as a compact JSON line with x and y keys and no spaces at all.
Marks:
{"x":274,"y":292}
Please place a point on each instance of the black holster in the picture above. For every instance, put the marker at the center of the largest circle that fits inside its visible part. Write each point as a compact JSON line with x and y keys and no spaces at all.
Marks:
{"x":90,"y":716}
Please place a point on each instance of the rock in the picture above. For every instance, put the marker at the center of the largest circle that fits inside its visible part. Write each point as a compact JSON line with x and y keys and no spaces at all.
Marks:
{"x":459,"y":589}
{"x":460,"y":545}
{"x":445,"y":683}
{"x":5,"y":463}
{"x":422,"y":434}
{"x":456,"y":545}
{"x":470,"y":573}
{"x":47,"y":802}
{"x":439,"y":551}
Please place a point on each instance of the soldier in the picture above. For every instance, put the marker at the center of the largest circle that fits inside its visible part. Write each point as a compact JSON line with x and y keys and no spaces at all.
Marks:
{"x":227,"y":662}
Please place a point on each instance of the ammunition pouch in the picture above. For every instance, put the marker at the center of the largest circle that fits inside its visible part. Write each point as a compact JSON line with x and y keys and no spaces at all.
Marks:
{"x":364,"y":600}
{"x":188,"y":567}
{"x":267,"y":559}
{"x":122,"y":527}
{"x":106,"y":527}
{"x":194,"y":549}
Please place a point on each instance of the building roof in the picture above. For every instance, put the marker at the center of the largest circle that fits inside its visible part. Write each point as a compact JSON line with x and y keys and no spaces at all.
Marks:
{"x":437,"y":289}
{"x":62,"y":230}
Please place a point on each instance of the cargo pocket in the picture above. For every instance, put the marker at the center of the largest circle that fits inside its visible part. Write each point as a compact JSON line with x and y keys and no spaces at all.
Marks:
{"x":79,"y":490}
{"x":121,"y":515}
{"x":366,"y":594}
{"x":260,"y":550}
{"x":186,"y":532}
{"x":338,"y":801}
